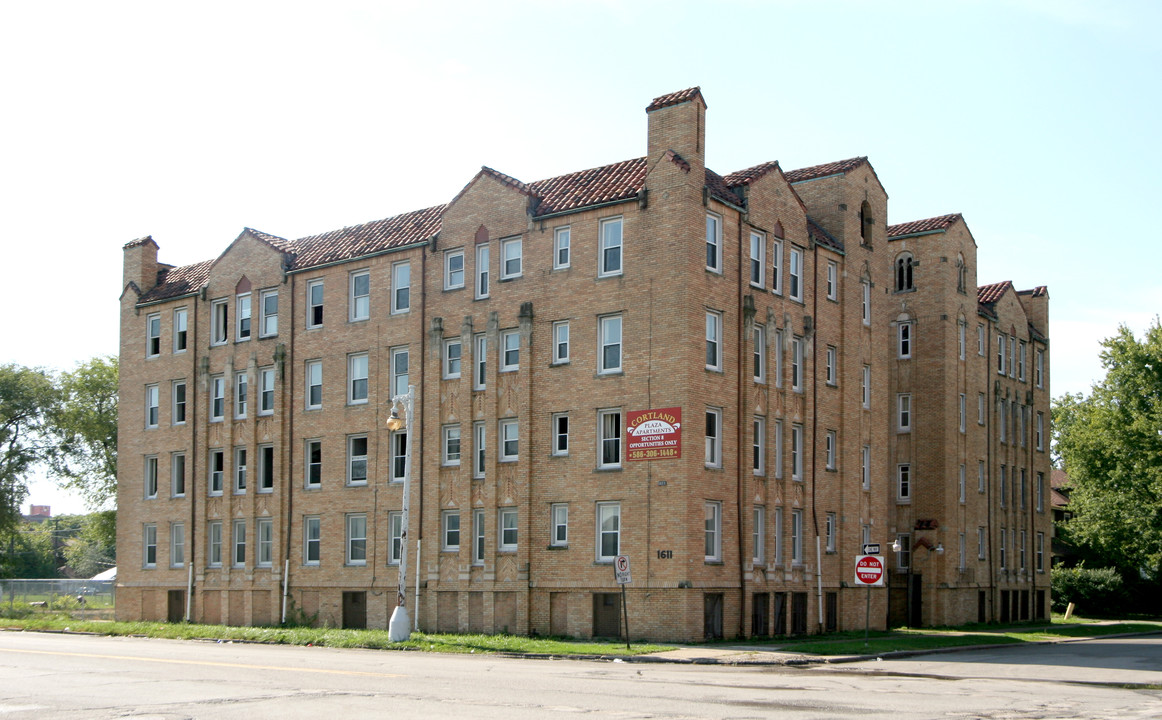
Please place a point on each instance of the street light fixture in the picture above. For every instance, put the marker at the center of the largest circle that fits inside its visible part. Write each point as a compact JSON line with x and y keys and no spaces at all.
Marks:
{"x":399,"y":627}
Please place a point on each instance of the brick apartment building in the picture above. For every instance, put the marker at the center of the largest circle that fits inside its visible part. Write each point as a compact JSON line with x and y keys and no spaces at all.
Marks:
{"x":835,"y":381}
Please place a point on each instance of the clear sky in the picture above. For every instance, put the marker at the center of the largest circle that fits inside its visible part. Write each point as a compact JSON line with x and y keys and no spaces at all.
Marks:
{"x":1036,"y":119}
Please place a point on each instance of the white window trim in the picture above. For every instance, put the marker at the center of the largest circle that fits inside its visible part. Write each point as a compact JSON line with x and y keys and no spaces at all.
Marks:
{"x":759,"y":446}
{"x":507,"y":427}
{"x":450,"y":457}
{"x":148,"y":541}
{"x":351,"y":457}
{"x":449,"y":282}
{"x":504,"y":340}
{"x":177,"y":460}
{"x":559,"y":519}
{"x":150,"y":478}
{"x":308,"y":463}
{"x":398,"y":387}
{"x":479,"y":449}
{"x":265,"y":318}
{"x":446,"y":529}
{"x":478,"y":537}
{"x":714,"y":242}
{"x":798,"y":372}
{"x":504,"y":515}
{"x":238,"y":543}
{"x":175,"y":417}
{"x":758,"y":535}
{"x":310,"y":365}
{"x":830,"y":532}
{"x":562,"y":240}
{"x":796,"y":452}
{"x":241,"y":468}
{"x":713,"y":442}
{"x":181,"y":330}
{"x":153,"y":335}
{"x":482,"y":270}
{"x":152,"y":406}
{"x":865,"y":389}
{"x":312,"y":535}
{"x":831,"y":367}
{"x":352,"y":522}
{"x":311,"y":304}
{"x":266,"y":377}
{"x":831,"y":451}
{"x":214,"y":544}
{"x":219,"y":321}
{"x":556,"y":435}
{"x":217,"y":395}
{"x":832,"y":280}
{"x":602,"y":269}
{"x":614,"y":511}
{"x":904,"y":482}
{"x":904,"y":412}
{"x":758,"y":260}
{"x":216,"y":454}
{"x":353,"y":361}
{"x":777,"y":267}
{"x":602,"y":439}
{"x":714,"y":340}
{"x":264,"y":534}
{"x":241,"y":394}
{"x":865,"y":302}
{"x":448,"y":372}
{"x":505,"y":244}
{"x":865,"y":467}
{"x":713,"y":532}
{"x":904,"y":338}
{"x":353,"y":312}
{"x":394,"y":538}
{"x":243,"y":321}
{"x":560,"y":342}
{"x":603,"y":323}
{"x":795,"y":270}
{"x":759,"y":364}
{"x":401,"y":283}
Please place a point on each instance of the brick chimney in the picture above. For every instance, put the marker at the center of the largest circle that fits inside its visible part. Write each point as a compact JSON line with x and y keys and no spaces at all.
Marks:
{"x":677,"y":122}
{"x":140,"y":263}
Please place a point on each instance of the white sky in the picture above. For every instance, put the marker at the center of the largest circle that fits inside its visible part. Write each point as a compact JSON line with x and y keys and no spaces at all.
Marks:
{"x":1037,"y":119}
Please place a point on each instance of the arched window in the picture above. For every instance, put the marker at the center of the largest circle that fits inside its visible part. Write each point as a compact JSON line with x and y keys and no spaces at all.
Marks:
{"x":904,"y":272}
{"x":961,"y":273}
{"x":865,"y":222}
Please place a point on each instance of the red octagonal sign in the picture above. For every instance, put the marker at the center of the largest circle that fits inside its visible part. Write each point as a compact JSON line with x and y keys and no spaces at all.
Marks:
{"x":869,"y":570}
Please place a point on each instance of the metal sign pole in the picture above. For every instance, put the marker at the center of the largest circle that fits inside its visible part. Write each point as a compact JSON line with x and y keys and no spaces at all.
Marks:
{"x":867,"y":617}
{"x":625,"y":614}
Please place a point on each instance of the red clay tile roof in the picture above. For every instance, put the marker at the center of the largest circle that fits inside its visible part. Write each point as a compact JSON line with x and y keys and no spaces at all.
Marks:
{"x":281,"y":244}
{"x":749,"y":175}
{"x":720,"y":191}
{"x":619,"y":181}
{"x":942,"y":222}
{"x":175,"y":282}
{"x":676,"y":98}
{"x":1039,"y":291}
{"x":139,"y":241}
{"x":821,"y":236}
{"x":989,"y":294}
{"x":818,"y":171}
{"x":368,"y":238}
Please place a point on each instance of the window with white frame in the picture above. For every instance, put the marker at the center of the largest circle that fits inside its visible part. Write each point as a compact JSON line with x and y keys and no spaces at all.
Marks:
{"x":480,"y":362}
{"x":356,"y":539}
{"x":609,"y":439}
{"x":313,"y":463}
{"x":560,"y":342}
{"x":832,"y":280}
{"x":1040,"y":430}
{"x":904,"y":412}
{"x":507,"y":540}
{"x":177,"y":544}
{"x":239,"y":554}
{"x":980,"y":408}
{"x":477,"y":537}
{"x":150,"y":477}
{"x":312,"y":540}
{"x":509,"y":350}
{"x":399,"y":447}
{"x":609,"y":263}
{"x":239,"y":470}
{"x":152,"y":405}
{"x":266,"y":391}
{"x":961,"y":484}
{"x":149,"y":545}
{"x":479,"y":449}
{"x":980,"y":543}
{"x":778,"y":358}
{"x":394,"y":537}
{"x":1002,"y":417}
{"x":314,"y":375}
{"x":241,"y":394}
{"x":509,"y":440}
{"x":1021,"y":551}
{"x":903,"y":481}
{"x":153,"y":335}
{"x":796,"y":537}
{"x":562,"y":240}
{"x":314,"y":304}
{"x":1024,"y":490}
{"x":865,"y":302}
{"x":1004,"y":482}
{"x":357,"y":460}
{"x":713,"y":543}
{"x":265,"y":468}
{"x":510,"y":258}
{"x":797,"y":364}
{"x":268,"y":313}
{"x":217,"y":398}
{"x":357,"y":379}
{"x":713,"y":243}
{"x":482,"y":265}
{"x":980,"y":479}
{"x":830,"y":450}
{"x":1003,"y":548}
{"x":713,"y":340}
{"x":401,"y":285}
{"x":608,"y":531}
{"x":865,"y":387}
{"x":865,"y":467}
{"x":359,"y":301}
{"x":214,"y":544}
{"x":177,"y":471}
{"x":178,"y":417}
{"x":832,"y":360}
{"x":759,"y":363}
{"x":963,"y":412}
{"x":904,"y":340}
{"x":560,"y":434}
{"x":961,"y":552}
{"x":217,"y":469}
{"x":758,"y":246}
{"x":795,"y":274}
{"x":454,"y":269}
{"x":830,"y":531}
{"x":559,"y":519}
{"x":451,"y":445}
{"x":399,"y":371}
{"x":450,"y":530}
{"x":777,"y":267}
{"x":452,"y":353}
{"x":1000,"y":354}
{"x":264,"y":527}
{"x":778,"y":458}
{"x":713,"y":458}
{"x":1040,"y":492}
{"x":181,"y":319}
{"x":242,"y":315}
{"x":796,"y":452}
{"x":777,"y":548}
{"x":609,"y":334}
{"x":758,"y":535}
{"x":904,"y":556}
{"x":759,"y":446}
{"x":980,"y":340}
{"x":1040,"y":551}
{"x":1012,"y":356}
{"x":1040,"y":369}
{"x":960,"y":339}
{"x":219,"y":321}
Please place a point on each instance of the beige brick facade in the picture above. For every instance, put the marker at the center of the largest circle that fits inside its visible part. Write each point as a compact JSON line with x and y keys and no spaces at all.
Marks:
{"x":762,"y":304}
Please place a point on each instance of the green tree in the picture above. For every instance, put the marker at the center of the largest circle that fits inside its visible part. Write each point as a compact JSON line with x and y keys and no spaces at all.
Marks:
{"x":1110,"y":443}
{"x":25,"y":395}
{"x":93,"y":548}
{"x":82,"y":431}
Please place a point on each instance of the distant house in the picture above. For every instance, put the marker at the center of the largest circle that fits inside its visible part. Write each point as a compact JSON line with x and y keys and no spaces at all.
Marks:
{"x":38,"y":513}
{"x":1062,"y":552}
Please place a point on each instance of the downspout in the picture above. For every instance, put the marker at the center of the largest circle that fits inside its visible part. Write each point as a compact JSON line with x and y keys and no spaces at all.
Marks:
{"x":815,"y":431}
{"x":191,"y":418}
{"x":288,"y":442}
{"x":988,"y":360}
{"x":419,"y":434}
{"x":746,"y":310}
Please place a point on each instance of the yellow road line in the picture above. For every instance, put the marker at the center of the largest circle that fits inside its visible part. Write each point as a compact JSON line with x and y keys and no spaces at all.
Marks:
{"x":203,"y":662}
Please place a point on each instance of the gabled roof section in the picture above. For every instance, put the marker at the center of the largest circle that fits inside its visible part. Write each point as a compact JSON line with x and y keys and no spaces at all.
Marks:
{"x":281,"y":244}
{"x":1039,"y":291}
{"x":989,"y":294}
{"x":596,"y":186}
{"x":924,"y":227}
{"x":178,"y":281}
{"x":676,"y":98}
{"x":816,"y":232}
{"x":720,"y":191}
{"x":749,"y":175}
{"x":825,"y":170}
{"x":367,"y":239}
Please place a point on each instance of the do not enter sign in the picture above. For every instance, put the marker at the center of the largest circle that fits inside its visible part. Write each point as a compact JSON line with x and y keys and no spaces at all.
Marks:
{"x":869,"y":570}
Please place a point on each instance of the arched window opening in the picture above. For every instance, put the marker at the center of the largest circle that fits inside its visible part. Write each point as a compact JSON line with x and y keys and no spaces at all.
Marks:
{"x":961,"y":273}
{"x":904,"y":272}
{"x":865,"y":222}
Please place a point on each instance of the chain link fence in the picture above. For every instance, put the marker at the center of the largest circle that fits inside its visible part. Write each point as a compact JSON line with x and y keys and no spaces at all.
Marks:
{"x":89,"y":599}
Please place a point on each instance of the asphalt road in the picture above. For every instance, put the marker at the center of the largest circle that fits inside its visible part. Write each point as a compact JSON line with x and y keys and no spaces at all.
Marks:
{"x":68,"y":676}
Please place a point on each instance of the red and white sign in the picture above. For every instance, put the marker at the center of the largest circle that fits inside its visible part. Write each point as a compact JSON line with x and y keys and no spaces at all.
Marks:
{"x":621,"y":570}
{"x":653,"y":434}
{"x":869,"y":570}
